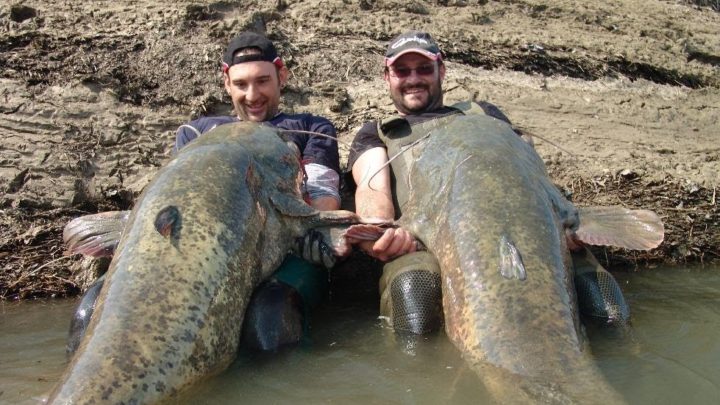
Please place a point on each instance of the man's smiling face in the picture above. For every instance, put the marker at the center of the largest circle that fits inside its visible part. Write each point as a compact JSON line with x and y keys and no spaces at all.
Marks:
{"x":255,"y":89}
{"x":415,"y":83}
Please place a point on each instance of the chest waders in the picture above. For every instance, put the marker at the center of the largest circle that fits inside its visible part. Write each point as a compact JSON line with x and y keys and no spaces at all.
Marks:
{"x":410,"y":286}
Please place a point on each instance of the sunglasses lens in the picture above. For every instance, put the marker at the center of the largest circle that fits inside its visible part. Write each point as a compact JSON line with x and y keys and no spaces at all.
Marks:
{"x":403,"y":72}
{"x":425,"y":70}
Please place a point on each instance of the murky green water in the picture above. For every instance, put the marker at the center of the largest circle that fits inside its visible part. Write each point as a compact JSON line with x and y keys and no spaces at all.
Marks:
{"x":672,"y":357}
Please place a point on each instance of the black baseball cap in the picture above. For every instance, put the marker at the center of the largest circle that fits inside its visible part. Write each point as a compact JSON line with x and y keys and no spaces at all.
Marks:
{"x":249,"y":39}
{"x":412,"y":41}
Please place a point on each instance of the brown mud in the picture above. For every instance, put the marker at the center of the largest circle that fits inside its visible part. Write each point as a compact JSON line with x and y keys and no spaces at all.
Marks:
{"x":624,"y":97}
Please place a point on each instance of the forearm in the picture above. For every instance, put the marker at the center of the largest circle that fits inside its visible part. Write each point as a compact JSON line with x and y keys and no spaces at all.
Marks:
{"x":373,"y":198}
{"x":374,"y":203}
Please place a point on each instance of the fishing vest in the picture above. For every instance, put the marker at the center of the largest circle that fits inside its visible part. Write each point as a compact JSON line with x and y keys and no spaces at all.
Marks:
{"x":398,"y":136}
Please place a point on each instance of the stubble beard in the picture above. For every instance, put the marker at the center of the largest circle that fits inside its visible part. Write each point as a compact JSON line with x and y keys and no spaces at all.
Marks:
{"x":431,"y":100}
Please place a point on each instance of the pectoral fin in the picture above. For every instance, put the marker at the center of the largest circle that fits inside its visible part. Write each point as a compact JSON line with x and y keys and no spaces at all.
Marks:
{"x":362,"y":232}
{"x":334,"y":238}
{"x":95,"y":235}
{"x":621,"y":227}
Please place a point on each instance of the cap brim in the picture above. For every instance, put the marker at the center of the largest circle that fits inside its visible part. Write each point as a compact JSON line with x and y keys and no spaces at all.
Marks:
{"x":427,"y":54}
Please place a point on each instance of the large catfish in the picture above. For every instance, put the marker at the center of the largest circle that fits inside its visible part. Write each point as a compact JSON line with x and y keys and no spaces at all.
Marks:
{"x":481,"y":201}
{"x":214,"y":222}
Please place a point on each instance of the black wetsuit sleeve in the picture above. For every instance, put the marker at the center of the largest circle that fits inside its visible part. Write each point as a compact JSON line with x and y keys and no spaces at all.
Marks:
{"x":184,"y":136}
{"x":365,"y":139}
{"x":321,"y":149}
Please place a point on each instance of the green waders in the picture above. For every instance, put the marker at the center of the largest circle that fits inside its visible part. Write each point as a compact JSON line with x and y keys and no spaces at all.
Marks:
{"x":279,"y":310}
{"x":411,"y":293}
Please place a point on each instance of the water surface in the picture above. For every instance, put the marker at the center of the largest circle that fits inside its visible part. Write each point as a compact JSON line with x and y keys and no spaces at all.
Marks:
{"x":671,"y":356}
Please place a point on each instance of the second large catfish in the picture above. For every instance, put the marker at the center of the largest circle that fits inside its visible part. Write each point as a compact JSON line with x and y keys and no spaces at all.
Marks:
{"x":481,"y":201}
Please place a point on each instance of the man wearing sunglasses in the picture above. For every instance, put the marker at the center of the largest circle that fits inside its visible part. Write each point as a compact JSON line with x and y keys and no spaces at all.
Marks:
{"x":410,"y":285}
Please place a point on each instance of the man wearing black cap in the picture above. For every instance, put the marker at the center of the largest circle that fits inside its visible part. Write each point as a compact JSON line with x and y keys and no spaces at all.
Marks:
{"x":254,"y":75}
{"x":410,"y":285}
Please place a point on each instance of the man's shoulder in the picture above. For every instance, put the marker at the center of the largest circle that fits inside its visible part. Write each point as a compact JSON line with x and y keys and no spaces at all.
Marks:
{"x":205,"y":124}
{"x":303,"y":121}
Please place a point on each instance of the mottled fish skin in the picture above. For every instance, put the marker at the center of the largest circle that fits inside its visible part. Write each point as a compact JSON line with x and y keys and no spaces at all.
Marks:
{"x":214,"y":222}
{"x":481,"y":201}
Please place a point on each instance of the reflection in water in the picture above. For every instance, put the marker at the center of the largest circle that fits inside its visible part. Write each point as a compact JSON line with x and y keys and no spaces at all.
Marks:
{"x":670,"y":356}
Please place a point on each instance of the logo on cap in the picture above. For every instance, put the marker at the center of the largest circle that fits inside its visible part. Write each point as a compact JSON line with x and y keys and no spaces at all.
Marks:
{"x":402,"y":41}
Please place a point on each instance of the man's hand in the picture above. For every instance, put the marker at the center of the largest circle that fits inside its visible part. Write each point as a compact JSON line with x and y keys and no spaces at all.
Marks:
{"x":573,"y":242}
{"x":313,"y":249}
{"x":395,"y":242}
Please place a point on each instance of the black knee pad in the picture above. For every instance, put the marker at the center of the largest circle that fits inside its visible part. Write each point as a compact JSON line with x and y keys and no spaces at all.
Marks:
{"x":83,"y":313}
{"x":599,"y":295}
{"x":411,"y":294}
{"x":274,"y":317}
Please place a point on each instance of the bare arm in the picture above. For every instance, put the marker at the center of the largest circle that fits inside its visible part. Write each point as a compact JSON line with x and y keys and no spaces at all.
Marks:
{"x":373,"y":198}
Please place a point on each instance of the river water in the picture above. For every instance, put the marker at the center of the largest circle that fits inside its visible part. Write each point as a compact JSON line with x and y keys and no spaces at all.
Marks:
{"x":672,"y":355}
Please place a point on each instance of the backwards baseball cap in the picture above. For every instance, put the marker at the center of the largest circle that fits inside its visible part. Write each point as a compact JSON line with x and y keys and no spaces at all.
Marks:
{"x":265,"y":50}
{"x":412,"y":41}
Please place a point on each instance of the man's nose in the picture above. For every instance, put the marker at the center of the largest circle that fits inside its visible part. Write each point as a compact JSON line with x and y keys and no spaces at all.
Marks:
{"x":252,"y":93}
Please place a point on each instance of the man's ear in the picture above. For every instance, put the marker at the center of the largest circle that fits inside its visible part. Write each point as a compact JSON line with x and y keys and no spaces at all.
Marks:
{"x":226,"y":80}
{"x":386,"y":75}
{"x":441,"y":70}
{"x":283,"y":74}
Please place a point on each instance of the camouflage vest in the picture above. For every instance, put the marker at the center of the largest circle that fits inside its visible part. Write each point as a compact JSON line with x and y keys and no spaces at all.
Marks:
{"x":398,"y":136}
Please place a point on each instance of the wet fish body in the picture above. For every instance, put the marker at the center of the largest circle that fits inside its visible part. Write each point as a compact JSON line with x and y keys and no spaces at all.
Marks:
{"x":215,"y":221}
{"x":481,"y":201}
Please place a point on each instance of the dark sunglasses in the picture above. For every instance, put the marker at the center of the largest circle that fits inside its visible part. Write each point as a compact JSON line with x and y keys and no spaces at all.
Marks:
{"x":402,"y":72}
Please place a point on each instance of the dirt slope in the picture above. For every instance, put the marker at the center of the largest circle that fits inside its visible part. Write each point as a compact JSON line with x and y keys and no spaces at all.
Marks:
{"x":92,"y":93}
